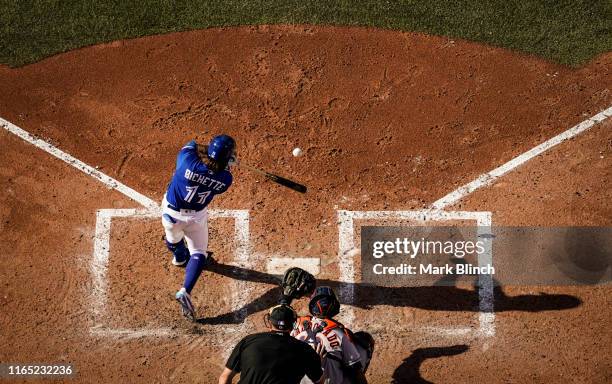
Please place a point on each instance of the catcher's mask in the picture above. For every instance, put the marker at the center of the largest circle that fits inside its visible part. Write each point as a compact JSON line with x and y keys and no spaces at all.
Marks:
{"x":281,"y":317}
{"x":324,"y":303}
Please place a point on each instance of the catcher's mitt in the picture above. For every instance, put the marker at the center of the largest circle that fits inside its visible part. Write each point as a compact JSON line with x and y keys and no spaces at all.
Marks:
{"x":297,"y":283}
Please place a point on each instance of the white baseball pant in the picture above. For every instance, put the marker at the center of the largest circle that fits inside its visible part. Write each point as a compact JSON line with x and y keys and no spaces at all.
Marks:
{"x":192,"y":225}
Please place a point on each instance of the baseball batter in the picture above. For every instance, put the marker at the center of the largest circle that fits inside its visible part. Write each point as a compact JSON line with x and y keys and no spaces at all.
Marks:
{"x":200,"y":175}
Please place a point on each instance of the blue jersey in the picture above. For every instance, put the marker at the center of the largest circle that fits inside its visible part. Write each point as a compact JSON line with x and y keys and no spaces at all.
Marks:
{"x":193,"y":185}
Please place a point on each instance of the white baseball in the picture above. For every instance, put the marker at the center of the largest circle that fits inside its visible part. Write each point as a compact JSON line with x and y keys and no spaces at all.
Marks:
{"x":297,"y":152}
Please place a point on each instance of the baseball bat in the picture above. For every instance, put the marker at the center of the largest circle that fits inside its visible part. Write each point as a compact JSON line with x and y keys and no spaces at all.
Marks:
{"x":270,"y":176}
{"x":275,"y":178}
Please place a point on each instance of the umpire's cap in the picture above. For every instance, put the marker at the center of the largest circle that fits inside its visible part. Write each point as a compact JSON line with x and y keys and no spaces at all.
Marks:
{"x":282,"y":317}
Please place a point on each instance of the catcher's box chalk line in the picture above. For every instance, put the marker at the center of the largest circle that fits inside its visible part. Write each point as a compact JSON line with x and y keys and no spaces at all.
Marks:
{"x":279,"y":264}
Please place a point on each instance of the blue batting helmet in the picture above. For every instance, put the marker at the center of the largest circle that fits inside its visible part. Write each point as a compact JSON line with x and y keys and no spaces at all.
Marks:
{"x":221,"y":148}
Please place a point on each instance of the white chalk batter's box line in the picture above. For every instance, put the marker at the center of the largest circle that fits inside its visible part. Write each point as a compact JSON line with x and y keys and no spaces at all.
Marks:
{"x":346,"y":244}
{"x":244,"y":258}
{"x":101,"y":255}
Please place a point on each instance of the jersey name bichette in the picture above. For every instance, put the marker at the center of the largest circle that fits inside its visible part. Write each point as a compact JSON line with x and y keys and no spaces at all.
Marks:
{"x":193,"y":185}
{"x":204,"y":180}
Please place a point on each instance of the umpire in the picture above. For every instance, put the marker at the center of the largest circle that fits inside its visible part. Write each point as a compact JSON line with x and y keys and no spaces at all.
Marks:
{"x":273,"y":357}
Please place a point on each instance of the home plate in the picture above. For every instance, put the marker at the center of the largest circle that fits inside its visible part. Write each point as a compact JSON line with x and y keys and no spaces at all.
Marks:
{"x":278,"y":265}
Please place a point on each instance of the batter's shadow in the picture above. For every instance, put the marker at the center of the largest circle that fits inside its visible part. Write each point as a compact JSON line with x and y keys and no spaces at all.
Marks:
{"x":432,"y":298}
{"x":409,"y":370}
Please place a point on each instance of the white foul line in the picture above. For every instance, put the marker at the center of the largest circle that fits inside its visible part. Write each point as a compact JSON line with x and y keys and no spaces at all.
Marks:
{"x":490,"y":177}
{"x":81,"y":166}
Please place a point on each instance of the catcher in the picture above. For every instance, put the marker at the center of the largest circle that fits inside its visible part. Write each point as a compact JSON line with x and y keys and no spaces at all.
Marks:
{"x":346,"y":355}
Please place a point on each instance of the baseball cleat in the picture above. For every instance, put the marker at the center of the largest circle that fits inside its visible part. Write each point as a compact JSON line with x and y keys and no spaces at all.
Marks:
{"x":179,"y":263}
{"x":180,"y":253}
{"x":209,"y":258}
{"x":187,"y":308}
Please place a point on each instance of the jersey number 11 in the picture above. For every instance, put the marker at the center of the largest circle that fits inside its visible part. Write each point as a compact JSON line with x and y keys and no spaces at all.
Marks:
{"x":192,"y":191}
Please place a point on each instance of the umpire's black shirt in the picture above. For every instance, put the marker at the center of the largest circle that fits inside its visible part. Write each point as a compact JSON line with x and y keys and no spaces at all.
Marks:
{"x":274,"y":358}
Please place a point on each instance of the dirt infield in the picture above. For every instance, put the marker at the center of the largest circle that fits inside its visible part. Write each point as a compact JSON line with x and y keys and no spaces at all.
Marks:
{"x":387,"y":121}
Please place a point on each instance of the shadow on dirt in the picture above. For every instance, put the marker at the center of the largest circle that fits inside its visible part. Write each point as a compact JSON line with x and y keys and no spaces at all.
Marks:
{"x":408,"y":371}
{"x":434,"y":298}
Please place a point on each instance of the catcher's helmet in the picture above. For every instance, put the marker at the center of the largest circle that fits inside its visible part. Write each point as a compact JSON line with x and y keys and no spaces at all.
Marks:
{"x":221,"y":148}
{"x":324,"y":303}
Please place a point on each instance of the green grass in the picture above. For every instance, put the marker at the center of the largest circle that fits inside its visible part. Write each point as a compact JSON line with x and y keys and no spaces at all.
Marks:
{"x":566,"y":31}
